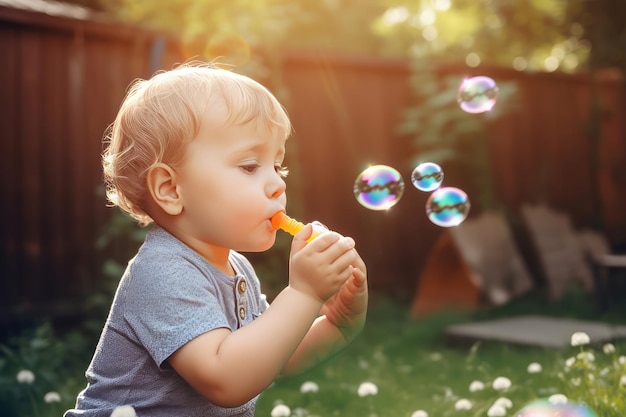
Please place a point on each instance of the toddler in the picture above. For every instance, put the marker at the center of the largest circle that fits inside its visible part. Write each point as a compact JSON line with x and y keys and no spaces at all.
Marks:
{"x":198,"y":151}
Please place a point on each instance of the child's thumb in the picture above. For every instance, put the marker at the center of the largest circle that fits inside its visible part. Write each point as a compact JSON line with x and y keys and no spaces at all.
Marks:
{"x":300,"y":239}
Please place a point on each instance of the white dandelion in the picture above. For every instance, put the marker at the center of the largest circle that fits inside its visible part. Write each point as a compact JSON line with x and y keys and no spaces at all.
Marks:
{"x":476,"y":386}
{"x":496,"y":410}
{"x":504,"y":402}
{"x":367,"y":388}
{"x":586,"y":356}
{"x":280,"y":410}
{"x":534,"y":368}
{"x":557,"y":399}
{"x":463,"y":404}
{"x":501,"y":383}
{"x":25,"y":377}
{"x":580,"y":339}
{"x":52,"y":397}
{"x":608,"y":348}
{"x":124,"y":411}
{"x":419,"y":413}
{"x":309,"y":386}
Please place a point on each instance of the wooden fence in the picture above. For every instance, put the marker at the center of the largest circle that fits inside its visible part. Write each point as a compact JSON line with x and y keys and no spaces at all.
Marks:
{"x":63,"y":79}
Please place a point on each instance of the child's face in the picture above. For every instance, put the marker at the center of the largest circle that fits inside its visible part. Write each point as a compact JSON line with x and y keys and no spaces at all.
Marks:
{"x":230,"y":185}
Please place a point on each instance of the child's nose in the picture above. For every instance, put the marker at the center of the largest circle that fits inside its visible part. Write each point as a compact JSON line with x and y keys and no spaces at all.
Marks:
{"x":277,"y":186}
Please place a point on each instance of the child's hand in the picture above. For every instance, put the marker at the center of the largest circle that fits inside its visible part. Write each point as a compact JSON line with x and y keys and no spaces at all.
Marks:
{"x":319,"y":268}
{"x":347,"y":308}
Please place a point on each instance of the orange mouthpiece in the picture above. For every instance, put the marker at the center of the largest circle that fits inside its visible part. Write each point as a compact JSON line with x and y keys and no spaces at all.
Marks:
{"x":280,"y":220}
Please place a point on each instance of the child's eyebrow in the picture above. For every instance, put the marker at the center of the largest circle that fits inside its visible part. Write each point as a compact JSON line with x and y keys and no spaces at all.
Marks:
{"x":259,"y":148}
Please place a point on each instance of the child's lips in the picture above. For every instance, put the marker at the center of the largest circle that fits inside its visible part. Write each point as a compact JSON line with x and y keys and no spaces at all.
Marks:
{"x":276,"y":219}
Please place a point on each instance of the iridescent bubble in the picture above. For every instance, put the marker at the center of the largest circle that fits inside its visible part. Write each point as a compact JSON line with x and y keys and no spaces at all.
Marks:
{"x":544,"y":408}
{"x":427,"y":176}
{"x":447,"y":206}
{"x":477,"y":94}
{"x":379,"y":187}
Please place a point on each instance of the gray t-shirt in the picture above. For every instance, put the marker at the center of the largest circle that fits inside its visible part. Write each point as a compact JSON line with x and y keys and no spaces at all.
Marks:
{"x":168,"y":295}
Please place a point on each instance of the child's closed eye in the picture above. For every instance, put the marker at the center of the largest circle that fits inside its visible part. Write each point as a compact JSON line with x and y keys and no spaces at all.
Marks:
{"x":250,"y":168}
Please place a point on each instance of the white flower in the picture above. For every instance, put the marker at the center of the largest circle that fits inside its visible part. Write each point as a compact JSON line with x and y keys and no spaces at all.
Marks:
{"x":622,"y":360}
{"x":608,"y":348}
{"x":622,"y":381}
{"x":367,"y":388}
{"x":280,"y":410}
{"x":496,"y":410}
{"x":501,"y":383}
{"x":557,"y":399}
{"x":576,"y":382}
{"x":419,"y":413}
{"x":580,"y":338}
{"x":534,"y":368}
{"x":463,"y":404}
{"x":586,"y":356}
{"x":569,"y":362}
{"x":504,"y":402}
{"x":300,"y":412}
{"x":25,"y":377}
{"x":309,"y":386}
{"x":476,"y":386}
{"x":124,"y":411}
{"x":52,"y":397}
{"x":435,"y":356}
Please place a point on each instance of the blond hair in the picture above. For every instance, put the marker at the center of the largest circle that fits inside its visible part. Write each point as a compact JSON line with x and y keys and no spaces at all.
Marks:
{"x":160,"y":116}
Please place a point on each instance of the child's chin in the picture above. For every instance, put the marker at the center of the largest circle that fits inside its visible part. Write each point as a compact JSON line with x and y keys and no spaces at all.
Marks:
{"x":261,"y":247}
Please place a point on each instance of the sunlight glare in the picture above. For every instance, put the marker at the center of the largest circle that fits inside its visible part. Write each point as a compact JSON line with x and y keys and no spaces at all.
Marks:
{"x":395,"y":15}
{"x":442,"y":5}
{"x":520,"y":63}
{"x":427,"y":17}
{"x":551,"y":63}
{"x":472,"y":60}
{"x":430,"y":33}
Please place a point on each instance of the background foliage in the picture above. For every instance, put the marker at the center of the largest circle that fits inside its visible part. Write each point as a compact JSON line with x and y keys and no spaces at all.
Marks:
{"x":568,"y":35}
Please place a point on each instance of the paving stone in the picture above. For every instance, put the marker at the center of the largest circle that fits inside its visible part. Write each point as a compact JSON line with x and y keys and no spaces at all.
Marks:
{"x":539,"y":331}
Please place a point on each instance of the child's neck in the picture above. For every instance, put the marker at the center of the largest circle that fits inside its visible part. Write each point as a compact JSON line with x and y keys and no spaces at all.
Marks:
{"x":219,"y":257}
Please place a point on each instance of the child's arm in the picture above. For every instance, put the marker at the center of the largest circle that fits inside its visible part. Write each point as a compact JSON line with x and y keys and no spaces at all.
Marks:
{"x":341,"y":320}
{"x":230,"y":368}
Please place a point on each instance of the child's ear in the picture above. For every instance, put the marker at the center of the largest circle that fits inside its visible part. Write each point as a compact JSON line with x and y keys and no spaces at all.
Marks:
{"x":162,"y":185}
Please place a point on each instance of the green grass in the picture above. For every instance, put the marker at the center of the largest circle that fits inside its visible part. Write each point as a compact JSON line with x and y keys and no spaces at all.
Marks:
{"x":408,"y":361}
{"x":414,"y":369}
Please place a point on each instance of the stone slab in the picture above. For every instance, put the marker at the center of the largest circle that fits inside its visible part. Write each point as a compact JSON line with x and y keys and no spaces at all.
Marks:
{"x":532,"y":331}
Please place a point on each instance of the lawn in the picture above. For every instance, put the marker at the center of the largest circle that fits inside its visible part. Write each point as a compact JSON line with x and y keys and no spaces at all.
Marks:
{"x":410,"y":368}
{"x":395,"y":368}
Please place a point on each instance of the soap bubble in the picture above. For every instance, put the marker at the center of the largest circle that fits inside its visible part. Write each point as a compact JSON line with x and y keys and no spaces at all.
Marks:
{"x":379,"y":187}
{"x":477,"y":94}
{"x":447,"y":207}
{"x":544,"y":408}
{"x":427,"y":176}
